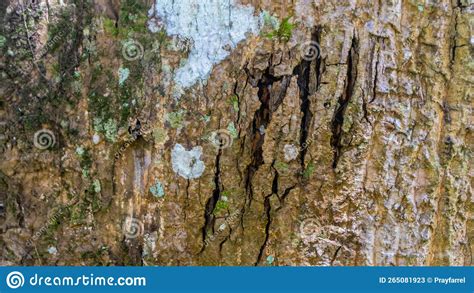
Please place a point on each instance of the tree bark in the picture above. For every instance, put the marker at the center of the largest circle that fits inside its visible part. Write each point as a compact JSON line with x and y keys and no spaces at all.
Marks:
{"x":340,"y":136}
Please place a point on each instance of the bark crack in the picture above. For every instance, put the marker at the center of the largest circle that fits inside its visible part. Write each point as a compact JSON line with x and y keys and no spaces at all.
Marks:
{"x":209,"y":218}
{"x":268,"y":209}
{"x":343,"y":101}
{"x":262,"y":118}
{"x":303,"y":70}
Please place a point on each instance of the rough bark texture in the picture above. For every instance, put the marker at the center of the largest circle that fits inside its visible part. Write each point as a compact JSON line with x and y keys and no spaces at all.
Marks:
{"x":356,"y":153}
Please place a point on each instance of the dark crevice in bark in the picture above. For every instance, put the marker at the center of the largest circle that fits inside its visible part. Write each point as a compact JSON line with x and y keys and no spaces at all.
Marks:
{"x":20,"y":215}
{"x":188,"y":182}
{"x":268,"y":208}
{"x":284,"y":196}
{"x":303,"y":70}
{"x":260,"y":121}
{"x":374,"y":87}
{"x":453,"y":39}
{"x":335,"y":255}
{"x":343,"y":101}
{"x":238,"y":103}
{"x":209,"y":218}
{"x":270,"y":99}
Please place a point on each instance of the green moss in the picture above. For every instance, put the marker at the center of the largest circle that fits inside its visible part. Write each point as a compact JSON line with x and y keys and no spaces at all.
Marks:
{"x":85,"y":161}
{"x":309,"y":170}
{"x":59,"y":30}
{"x":132,"y":21}
{"x":78,"y":213}
{"x":234,"y":101}
{"x":281,"y":166}
{"x":109,"y":27}
{"x":95,"y":257}
{"x":107,"y":128}
{"x":282,"y":31}
{"x":117,"y":96}
{"x":220,"y":206}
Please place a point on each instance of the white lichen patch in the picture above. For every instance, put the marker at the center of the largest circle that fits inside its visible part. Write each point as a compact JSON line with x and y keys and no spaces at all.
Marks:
{"x":213,"y":27}
{"x":291,"y":152}
{"x":187,"y":164}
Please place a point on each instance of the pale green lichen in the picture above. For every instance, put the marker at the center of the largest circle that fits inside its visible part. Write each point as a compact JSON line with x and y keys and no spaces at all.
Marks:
{"x":157,"y":189}
{"x":176,"y":119}
{"x":159,"y":135}
{"x":96,"y":186}
{"x":108,"y":128}
{"x":123,"y":75}
{"x":281,"y":166}
{"x":3,"y":40}
{"x":80,"y":151}
{"x":206,"y":118}
{"x":232,"y":130}
{"x":270,"y":21}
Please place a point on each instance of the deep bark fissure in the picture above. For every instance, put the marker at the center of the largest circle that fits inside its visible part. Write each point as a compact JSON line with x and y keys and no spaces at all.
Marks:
{"x":303,"y":70}
{"x":209,"y":218}
{"x":454,"y":45}
{"x":284,"y":196}
{"x":335,"y":255}
{"x":268,"y":209}
{"x":238,"y":102}
{"x":260,"y":121}
{"x":374,"y":87}
{"x":343,"y":101}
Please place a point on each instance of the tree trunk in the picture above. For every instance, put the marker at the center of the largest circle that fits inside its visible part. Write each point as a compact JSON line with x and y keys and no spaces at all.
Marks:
{"x":236,"y":132}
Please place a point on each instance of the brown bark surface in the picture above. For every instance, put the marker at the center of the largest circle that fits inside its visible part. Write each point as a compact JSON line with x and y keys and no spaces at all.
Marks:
{"x":360,"y":154}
